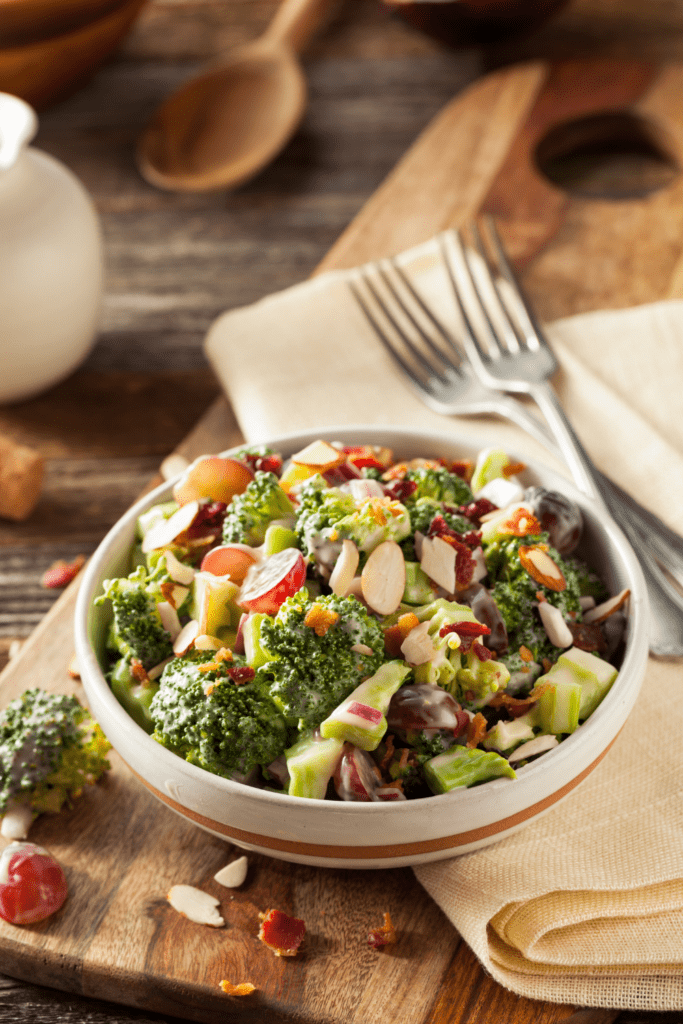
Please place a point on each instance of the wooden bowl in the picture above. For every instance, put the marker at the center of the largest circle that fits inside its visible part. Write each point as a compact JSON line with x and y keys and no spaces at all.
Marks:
{"x":46,"y":70}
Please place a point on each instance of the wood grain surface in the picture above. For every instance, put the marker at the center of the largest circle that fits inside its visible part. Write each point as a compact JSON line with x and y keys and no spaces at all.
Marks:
{"x":174,"y":263}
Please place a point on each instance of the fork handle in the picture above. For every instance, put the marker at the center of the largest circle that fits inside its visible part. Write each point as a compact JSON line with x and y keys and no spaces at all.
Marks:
{"x":580,"y":464}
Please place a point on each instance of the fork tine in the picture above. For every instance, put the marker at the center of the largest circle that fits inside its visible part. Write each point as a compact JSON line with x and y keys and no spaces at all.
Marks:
{"x":526,"y":318}
{"x":482,"y":349}
{"x":421,"y":383}
{"x":431,"y":360}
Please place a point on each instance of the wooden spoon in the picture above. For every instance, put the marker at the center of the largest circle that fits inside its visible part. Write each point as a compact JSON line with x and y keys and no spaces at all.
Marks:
{"x":222,"y":127}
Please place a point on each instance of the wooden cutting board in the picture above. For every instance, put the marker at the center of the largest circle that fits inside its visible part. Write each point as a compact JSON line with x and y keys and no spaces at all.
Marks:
{"x":116,"y":937}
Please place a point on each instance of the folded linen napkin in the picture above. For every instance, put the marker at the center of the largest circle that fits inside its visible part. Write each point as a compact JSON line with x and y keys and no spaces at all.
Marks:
{"x":584,"y":905}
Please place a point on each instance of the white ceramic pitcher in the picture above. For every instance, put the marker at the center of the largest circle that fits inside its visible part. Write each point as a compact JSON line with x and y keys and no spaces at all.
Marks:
{"x":51,"y":263}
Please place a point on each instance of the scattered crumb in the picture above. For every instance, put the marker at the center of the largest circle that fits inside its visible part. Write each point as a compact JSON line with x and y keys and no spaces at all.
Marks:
{"x":73,"y":668}
{"x":384,"y":936}
{"x":245,"y":988}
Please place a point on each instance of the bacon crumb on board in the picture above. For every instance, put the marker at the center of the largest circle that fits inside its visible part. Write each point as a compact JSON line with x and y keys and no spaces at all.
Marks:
{"x":281,"y":933}
{"x":384,"y":936}
{"x":61,"y":573}
{"x":245,"y":988}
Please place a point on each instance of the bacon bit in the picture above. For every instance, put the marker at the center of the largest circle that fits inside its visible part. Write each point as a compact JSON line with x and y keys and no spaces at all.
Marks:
{"x":476,"y":730}
{"x":366,"y":456}
{"x":139,"y":672}
{"x":281,"y":933}
{"x":61,"y":573}
{"x":395,"y":635}
{"x":546,"y":664}
{"x":394,"y":784}
{"x":525,"y":654}
{"x":389,"y":753}
{"x":384,"y":936}
{"x":464,"y":468}
{"x":540,"y":596}
{"x":320,"y":619}
{"x":513,"y":468}
{"x":400,"y":490}
{"x":396,"y":472}
{"x":468,"y":633}
{"x":541,"y":567}
{"x":521,"y":523}
{"x":517,"y":706}
{"x":403,"y":760}
{"x":476,"y":509}
{"x":264,"y":463}
{"x":245,"y":988}
{"x":241,"y":674}
{"x":167,"y":588}
{"x":588,"y":636}
{"x":209,"y":520}
{"x":483,"y":653}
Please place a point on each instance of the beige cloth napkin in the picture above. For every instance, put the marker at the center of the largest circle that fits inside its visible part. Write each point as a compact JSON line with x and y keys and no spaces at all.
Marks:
{"x":585,"y":905}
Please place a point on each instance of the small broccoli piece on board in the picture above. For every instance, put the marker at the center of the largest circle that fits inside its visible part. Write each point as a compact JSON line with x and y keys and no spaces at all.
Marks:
{"x":250,"y":513}
{"x":137,"y":631}
{"x":204,"y":716}
{"x":314,"y":671}
{"x":49,"y":749}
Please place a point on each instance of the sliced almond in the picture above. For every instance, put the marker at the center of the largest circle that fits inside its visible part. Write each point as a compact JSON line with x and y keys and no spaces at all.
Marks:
{"x":16,"y":822}
{"x":157,"y":670}
{"x":178,"y":571}
{"x":344,"y":569}
{"x":169,"y":619}
{"x":438,"y":562}
{"x":205,"y":642}
{"x":165,"y":531}
{"x":607,"y":608}
{"x":319,"y":455}
{"x":196,"y":905}
{"x":383,"y":579}
{"x":538,"y":745}
{"x":362,"y":649}
{"x":73,"y":668}
{"x":186,"y":637}
{"x":234,"y":874}
{"x":541,"y":567}
{"x":418,"y":647}
{"x":586,"y":603}
{"x":556,"y":628}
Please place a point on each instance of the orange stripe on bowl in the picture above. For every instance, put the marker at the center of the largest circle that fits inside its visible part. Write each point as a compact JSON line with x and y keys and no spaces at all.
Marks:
{"x":375,"y":852}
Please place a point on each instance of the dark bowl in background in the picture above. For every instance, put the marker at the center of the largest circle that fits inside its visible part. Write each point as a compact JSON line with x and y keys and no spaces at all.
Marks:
{"x":468,"y":22}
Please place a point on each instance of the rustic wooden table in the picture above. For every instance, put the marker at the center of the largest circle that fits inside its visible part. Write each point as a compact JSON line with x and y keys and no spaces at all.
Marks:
{"x":176,"y":261}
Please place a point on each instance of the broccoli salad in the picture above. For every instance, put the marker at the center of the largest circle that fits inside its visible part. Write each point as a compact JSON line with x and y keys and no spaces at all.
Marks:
{"x":346,"y":626}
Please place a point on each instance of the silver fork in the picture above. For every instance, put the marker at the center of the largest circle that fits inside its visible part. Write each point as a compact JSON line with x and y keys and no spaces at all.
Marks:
{"x":433,"y":364}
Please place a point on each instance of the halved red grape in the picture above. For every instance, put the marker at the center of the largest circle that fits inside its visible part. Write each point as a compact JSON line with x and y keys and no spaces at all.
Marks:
{"x":268,"y":584}
{"x":32,"y":884}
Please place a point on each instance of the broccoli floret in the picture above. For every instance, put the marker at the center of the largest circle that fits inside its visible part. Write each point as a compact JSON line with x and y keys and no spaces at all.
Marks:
{"x":422,"y":513}
{"x":206,"y":718}
{"x":320,"y":508}
{"x":49,"y":748}
{"x":312,"y":674}
{"x":250,"y":513}
{"x":439,"y":484}
{"x":373,"y":521}
{"x":514,"y":591}
{"x":136,"y":631}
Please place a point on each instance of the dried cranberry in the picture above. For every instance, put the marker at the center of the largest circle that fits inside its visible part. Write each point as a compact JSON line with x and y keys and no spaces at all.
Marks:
{"x":476,"y":509}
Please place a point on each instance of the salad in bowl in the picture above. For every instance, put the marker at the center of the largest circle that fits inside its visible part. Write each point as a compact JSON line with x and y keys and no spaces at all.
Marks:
{"x":375,"y":624}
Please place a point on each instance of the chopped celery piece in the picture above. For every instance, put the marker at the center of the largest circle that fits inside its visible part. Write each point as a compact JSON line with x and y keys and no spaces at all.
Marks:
{"x":460,"y":767}
{"x":559,"y":707}
{"x":311,"y":763}
{"x":360,"y":718}
{"x":278,"y":538}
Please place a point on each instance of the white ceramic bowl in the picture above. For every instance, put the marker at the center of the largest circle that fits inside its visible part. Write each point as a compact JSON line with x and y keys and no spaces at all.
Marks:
{"x":359,"y":835}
